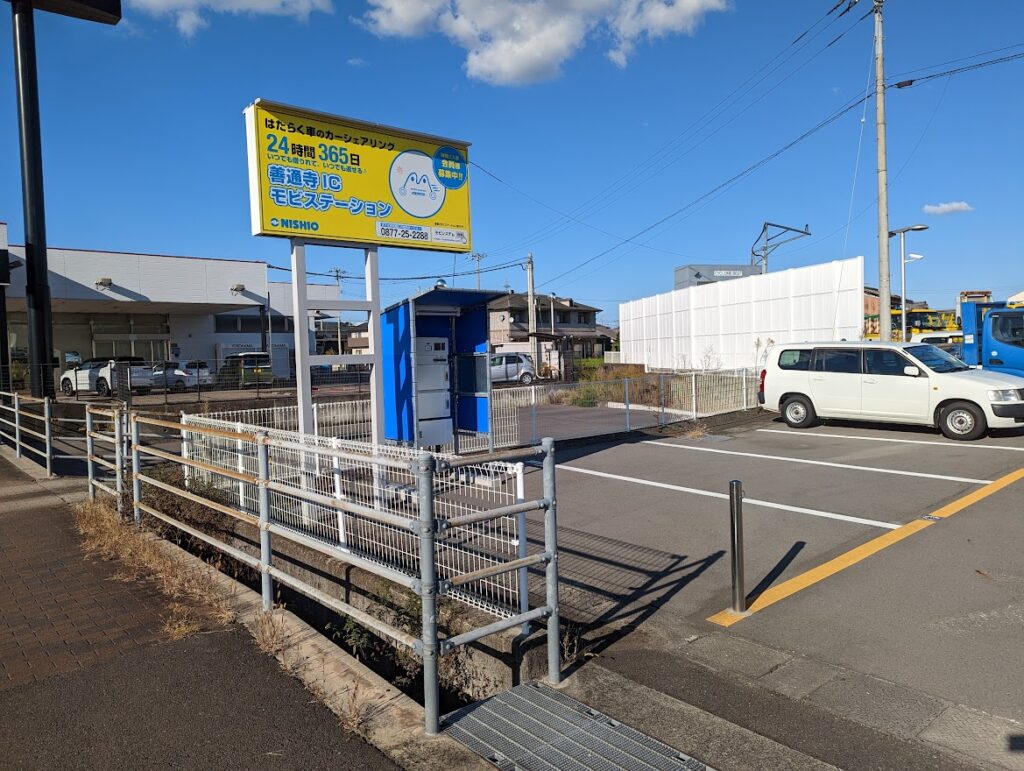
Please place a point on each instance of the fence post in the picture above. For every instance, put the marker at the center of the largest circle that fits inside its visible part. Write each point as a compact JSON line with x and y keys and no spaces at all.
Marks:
{"x":136,"y":469}
{"x":533,"y":414}
{"x":266,"y":555}
{"x":48,"y":433}
{"x":523,"y":545}
{"x":744,"y":376}
{"x":118,"y":460}
{"x":186,"y":452}
{"x":551,"y":572}
{"x":90,"y":452}
{"x":693,"y":395}
{"x":629,"y":426}
{"x":428,"y":589}
{"x":739,"y":597}
{"x":17,"y":426}
{"x":661,"y":399}
{"x":240,"y":466}
{"x":338,"y":492}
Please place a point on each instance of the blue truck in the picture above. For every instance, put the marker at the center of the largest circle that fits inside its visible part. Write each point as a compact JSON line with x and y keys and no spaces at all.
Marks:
{"x":994,"y":336}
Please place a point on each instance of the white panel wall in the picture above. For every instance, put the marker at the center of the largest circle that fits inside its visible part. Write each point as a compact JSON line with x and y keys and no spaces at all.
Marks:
{"x":717,"y":325}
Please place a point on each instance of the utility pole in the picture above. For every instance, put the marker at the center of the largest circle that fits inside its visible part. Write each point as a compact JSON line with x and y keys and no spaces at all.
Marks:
{"x":884,"y":291}
{"x":532,"y":311}
{"x":338,"y":273}
{"x":552,"y":315}
{"x":478,"y":256}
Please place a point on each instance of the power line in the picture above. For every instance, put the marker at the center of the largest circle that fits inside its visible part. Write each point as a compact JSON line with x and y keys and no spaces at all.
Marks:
{"x":607,"y":195}
{"x":957,"y":71}
{"x":735,"y":178}
{"x":831,"y":119}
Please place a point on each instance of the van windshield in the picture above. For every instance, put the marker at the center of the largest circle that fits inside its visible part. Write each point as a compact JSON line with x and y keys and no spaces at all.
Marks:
{"x":256,"y":361}
{"x":936,"y":359}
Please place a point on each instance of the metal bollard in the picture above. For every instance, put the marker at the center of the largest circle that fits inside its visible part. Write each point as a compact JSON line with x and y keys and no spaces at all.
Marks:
{"x":17,"y":426}
{"x":428,"y":590}
{"x":136,"y":470}
{"x":90,"y":453}
{"x":48,"y":433}
{"x":551,"y":572}
{"x":739,"y":595}
{"x":266,"y":554}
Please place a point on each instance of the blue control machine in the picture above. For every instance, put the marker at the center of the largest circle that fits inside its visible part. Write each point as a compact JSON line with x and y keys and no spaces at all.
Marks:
{"x":435,"y":351}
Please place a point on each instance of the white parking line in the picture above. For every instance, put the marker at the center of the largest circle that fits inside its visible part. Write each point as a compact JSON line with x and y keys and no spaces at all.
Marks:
{"x":723,"y":496}
{"x":822,"y":463}
{"x":957,"y":445}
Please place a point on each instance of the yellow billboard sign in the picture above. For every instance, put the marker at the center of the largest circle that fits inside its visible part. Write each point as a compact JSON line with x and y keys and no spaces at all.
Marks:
{"x":326,"y":178}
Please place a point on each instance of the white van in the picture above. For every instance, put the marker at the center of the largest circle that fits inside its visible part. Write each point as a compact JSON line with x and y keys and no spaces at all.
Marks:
{"x":912,"y":383}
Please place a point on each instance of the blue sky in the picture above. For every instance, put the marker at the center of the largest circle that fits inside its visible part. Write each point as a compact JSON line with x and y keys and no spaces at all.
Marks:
{"x":144,"y":145}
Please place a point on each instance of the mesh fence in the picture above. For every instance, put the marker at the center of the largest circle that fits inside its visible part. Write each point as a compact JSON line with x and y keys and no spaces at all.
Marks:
{"x":523,"y":415}
{"x":307,"y":465}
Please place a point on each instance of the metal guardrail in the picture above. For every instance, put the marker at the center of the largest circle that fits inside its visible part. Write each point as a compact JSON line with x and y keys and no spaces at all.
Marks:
{"x":16,"y":418}
{"x":426,"y":526}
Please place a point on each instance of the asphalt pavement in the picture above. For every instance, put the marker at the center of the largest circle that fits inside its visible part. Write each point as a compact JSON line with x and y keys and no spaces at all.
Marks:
{"x":88,"y":680}
{"x":882,"y":565}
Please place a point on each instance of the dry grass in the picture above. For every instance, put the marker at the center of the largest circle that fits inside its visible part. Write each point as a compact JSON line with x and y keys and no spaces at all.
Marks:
{"x":695,"y":431}
{"x":181,"y":622}
{"x":354,"y":711}
{"x":269,"y":633}
{"x":141,"y":558}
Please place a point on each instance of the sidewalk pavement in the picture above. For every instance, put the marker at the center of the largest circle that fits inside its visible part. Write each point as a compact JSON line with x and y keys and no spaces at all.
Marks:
{"x":87,"y":680}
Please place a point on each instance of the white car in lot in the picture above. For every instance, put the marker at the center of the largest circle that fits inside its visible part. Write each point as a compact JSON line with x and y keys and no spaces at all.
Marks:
{"x":913,"y":383}
{"x":99,"y":375}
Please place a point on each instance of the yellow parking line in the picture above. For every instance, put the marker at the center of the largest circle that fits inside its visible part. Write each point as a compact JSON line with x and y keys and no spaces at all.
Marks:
{"x":865,"y":550}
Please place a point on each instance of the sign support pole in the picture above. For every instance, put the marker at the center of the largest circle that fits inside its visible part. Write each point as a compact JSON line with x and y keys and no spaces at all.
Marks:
{"x":374,"y":333}
{"x":300,"y":320}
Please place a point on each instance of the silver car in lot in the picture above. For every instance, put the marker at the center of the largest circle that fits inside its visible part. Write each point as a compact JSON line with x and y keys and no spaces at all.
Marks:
{"x":512,"y":368}
{"x":181,"y":375}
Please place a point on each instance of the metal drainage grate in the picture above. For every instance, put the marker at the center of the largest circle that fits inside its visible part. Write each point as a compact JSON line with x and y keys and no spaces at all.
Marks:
{"x":533,"y":727}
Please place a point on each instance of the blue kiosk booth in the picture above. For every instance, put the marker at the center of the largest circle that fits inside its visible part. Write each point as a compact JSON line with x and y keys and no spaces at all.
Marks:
{"x":435,"y":366}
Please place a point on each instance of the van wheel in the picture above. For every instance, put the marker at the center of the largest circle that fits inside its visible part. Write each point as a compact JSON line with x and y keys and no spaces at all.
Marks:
{"x":102,"y":388}
{"x":526,"y":378}
{"x":962,"y":421}
{"x":798,"y":412}
{"x":67,"y":388}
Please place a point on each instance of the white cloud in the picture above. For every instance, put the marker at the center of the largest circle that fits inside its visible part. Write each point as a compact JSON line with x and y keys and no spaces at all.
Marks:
{"x":190,"y":16}
{"x":355,"y":61}
{"x":524,"y":41}
{"x":947,"y":208}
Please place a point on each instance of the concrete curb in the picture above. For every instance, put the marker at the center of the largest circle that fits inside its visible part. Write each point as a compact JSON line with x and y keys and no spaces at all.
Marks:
{"x":388,"y":719}
{"x":709,"y":738}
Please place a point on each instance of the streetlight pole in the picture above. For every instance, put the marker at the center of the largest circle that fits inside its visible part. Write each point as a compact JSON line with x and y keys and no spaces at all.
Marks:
{"x":902,"y":233}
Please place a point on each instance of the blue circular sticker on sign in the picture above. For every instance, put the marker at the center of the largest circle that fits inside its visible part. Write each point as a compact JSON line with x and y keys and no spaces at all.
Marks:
{"x":450,"y":168}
